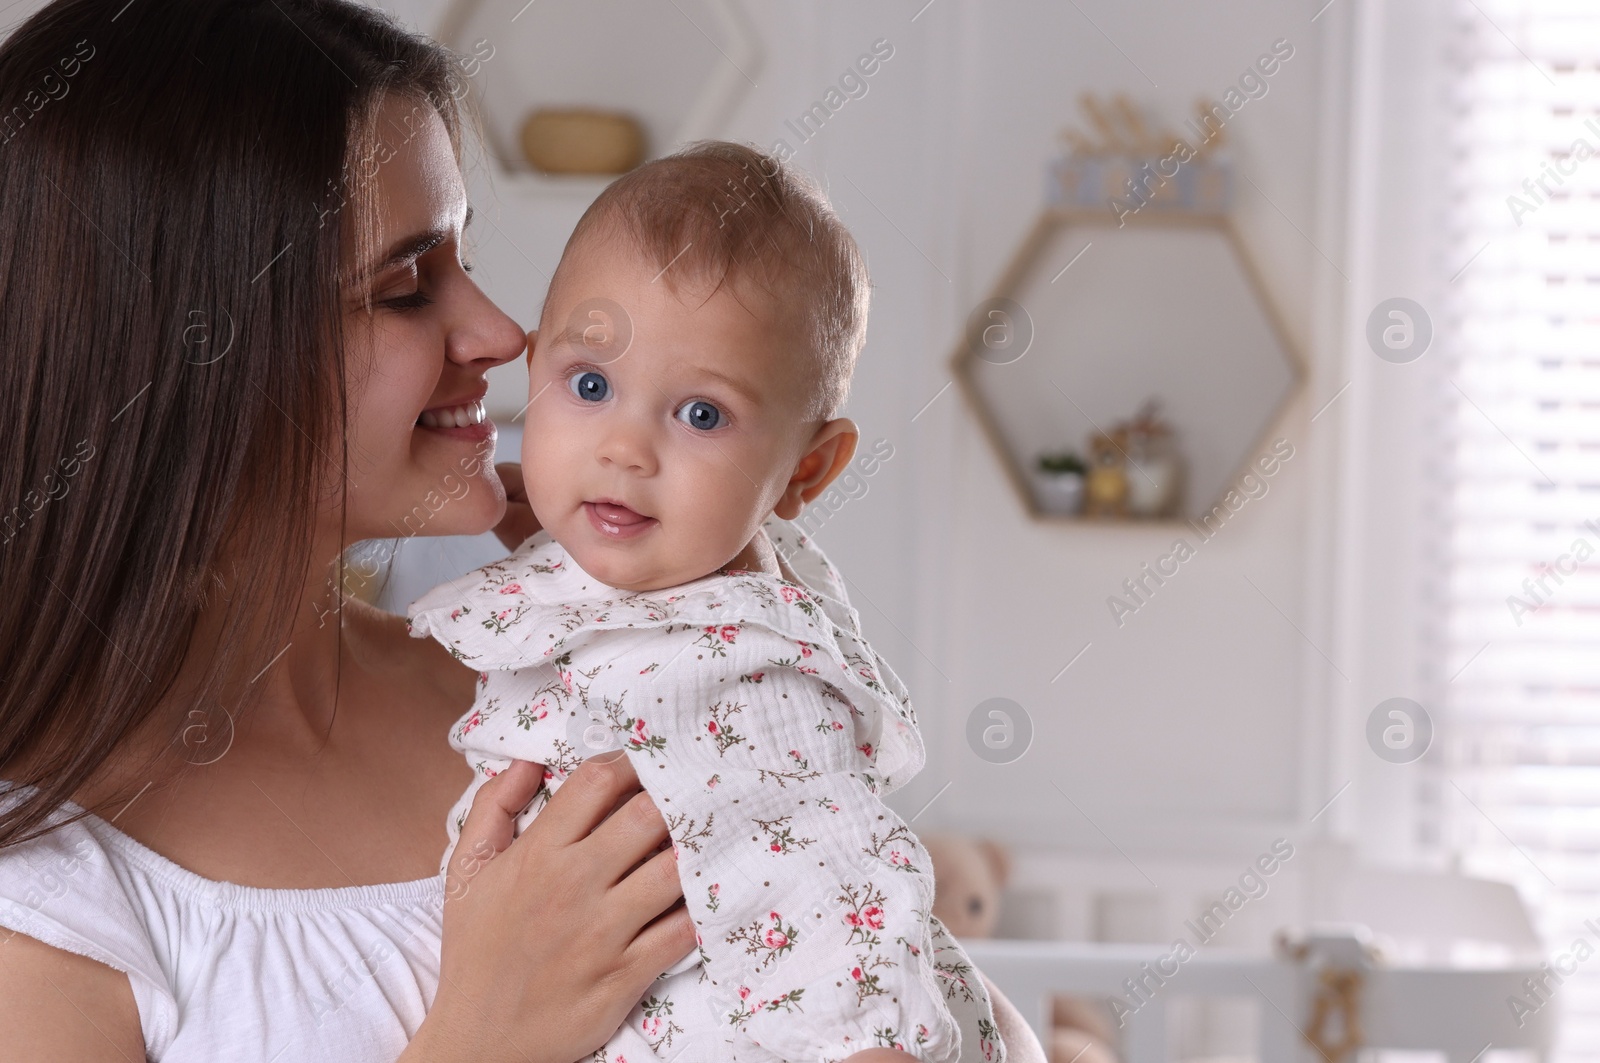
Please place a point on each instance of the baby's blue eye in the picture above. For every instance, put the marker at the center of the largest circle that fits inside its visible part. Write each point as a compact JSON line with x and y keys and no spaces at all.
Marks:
{"x":590,"y":386}
{"x":701,"y":415}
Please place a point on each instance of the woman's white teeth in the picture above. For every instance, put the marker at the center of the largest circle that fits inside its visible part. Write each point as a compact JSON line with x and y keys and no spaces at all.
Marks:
{"x":453,"y":416}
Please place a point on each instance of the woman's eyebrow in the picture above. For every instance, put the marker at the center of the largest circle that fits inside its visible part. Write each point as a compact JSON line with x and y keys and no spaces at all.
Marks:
{"x":414,"y":246}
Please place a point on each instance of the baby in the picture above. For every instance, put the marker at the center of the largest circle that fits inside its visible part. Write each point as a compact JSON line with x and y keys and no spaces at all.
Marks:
{"x":695,"y":346}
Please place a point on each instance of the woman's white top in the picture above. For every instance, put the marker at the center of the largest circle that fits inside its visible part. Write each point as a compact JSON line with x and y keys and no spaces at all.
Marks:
{"x":228,"y":972}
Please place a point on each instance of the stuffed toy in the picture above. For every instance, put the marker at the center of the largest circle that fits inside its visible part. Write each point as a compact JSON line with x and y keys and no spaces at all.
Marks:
{"x":968,"y":876}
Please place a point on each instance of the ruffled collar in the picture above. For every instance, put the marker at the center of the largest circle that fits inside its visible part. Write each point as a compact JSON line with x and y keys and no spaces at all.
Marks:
{"x":537,"y":605}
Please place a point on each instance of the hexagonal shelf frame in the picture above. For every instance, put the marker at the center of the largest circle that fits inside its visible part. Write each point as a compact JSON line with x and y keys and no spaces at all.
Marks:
{"x":1028,"y":260}
{"x":728,"y":30}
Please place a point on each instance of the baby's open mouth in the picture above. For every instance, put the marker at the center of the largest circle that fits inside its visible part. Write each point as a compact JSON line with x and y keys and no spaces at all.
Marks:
{"x":615,"y":520}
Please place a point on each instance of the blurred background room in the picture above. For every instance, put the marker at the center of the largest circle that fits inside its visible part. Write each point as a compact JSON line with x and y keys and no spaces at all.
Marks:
{"x":1233,"y":394}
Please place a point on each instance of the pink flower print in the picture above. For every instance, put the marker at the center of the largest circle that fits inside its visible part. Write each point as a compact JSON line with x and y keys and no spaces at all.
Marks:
{"x":489,"y":773}
{"x":789,"y":593}
{"x":651,"y":1025}
{"x":502,"y":614}
{"x":899,"y":859}
{"x":511,"y":588}
{"x":775,"y":847}
{"x":775,"y":917}
{"x":755,"y":677}
{"x":713,"y":728}
{"x":852,"y":918}
{"x":776,"y":939}
{"x":472,"y":721}
{"x":837,"y":726}
{"x":805,"y":651}
{"x":566,"y":680}
{"x":866,"y":749}
{"x":729,"y":633}
{"x":873,"y":917}
{"x":716,"y":889}
{"x":744,"y":992}
{"x":856,"y":974}
{"x":455,"y":614}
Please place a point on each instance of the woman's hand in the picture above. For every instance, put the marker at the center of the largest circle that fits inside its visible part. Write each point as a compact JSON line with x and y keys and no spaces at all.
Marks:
{"x":519,"y":521}
{"x":551,"y":938}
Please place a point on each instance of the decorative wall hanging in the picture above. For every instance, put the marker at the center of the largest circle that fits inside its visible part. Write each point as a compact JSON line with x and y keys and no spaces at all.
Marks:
{"x":1130,"y":342}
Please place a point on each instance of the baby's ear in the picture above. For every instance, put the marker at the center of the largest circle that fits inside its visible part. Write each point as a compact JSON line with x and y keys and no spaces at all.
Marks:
{"x":829,"y":451}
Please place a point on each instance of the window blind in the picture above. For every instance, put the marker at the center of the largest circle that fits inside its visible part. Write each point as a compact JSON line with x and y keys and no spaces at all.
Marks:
{"x":1517,"y":781}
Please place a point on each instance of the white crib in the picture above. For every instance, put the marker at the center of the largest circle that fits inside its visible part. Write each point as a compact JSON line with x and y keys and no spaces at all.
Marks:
{"x":1459,"y":1013}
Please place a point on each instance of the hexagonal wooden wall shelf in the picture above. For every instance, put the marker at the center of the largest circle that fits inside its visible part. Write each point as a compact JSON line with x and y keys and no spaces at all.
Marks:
{"x":1092,"y":319}
{"x":679,"y":68}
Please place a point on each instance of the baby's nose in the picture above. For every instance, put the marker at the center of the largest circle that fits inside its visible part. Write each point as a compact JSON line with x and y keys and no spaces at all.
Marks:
{"x":628,"y":445}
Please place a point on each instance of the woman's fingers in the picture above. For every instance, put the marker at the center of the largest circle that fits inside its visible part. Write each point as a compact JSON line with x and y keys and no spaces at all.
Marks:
{"x":562,"y":936}
{"x":661,"y":944}
{"x":491,"y":822}
{"x":519,"y":522}
{"x":589,"y":795}
{"x":633,"y":834}
{"x":651,"y":889}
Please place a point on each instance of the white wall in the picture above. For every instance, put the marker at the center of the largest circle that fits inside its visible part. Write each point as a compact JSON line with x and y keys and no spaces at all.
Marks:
{"x":1190,"y":728}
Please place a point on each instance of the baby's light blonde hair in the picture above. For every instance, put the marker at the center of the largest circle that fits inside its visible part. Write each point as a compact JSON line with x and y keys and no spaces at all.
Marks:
{"x":728,"y":214}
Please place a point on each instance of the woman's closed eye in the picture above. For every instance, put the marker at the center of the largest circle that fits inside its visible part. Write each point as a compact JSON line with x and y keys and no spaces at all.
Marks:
{"x":418,"y":299}
{"x":414,"y":301}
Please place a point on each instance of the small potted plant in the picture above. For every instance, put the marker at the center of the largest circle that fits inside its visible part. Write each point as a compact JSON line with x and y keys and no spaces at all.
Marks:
{"x":1058,"y":482}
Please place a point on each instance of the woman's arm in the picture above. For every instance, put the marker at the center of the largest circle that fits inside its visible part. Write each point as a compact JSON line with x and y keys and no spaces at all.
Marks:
{"x":47,"y":998}
{"x":1015,"y":1033}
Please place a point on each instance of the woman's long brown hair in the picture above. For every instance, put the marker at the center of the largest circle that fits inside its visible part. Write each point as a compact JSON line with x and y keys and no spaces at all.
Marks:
{"x":176,"y":177}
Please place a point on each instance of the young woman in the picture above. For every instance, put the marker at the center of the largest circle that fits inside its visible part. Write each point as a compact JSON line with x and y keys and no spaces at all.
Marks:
{"x":237,"y":336}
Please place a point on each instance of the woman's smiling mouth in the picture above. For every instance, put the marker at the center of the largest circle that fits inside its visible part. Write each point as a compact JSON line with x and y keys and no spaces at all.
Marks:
{"x":466,"y":421}
{"x":465,"y":415}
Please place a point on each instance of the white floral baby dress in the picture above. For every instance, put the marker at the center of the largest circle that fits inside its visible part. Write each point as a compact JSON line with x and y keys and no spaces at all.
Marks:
{"x":765,"y":729}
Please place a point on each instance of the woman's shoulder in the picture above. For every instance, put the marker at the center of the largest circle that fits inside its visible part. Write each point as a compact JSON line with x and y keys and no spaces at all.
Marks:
{"x":67,"y":890}
{"x":211,"y":964}
{"x":47,"y":996}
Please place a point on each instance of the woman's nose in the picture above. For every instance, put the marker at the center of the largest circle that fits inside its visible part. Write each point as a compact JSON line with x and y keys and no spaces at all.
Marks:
{"x":484,"y":336}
